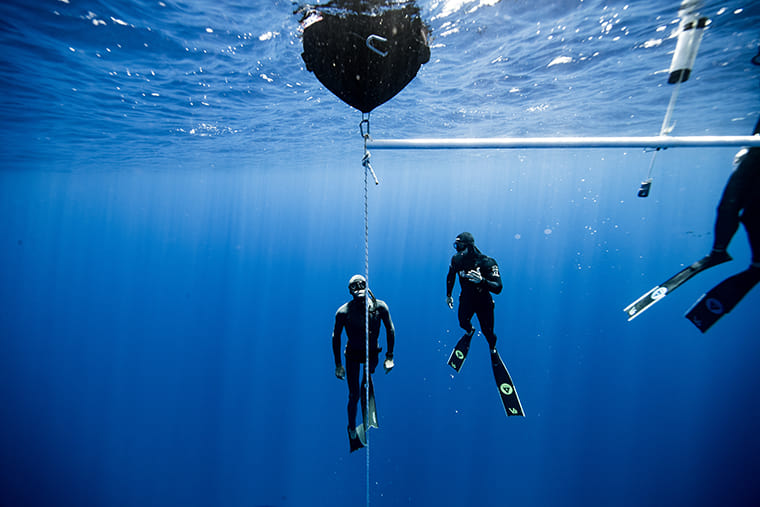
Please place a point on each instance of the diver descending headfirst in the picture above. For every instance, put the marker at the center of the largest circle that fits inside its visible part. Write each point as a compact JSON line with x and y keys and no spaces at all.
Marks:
{"x":478,"y":277}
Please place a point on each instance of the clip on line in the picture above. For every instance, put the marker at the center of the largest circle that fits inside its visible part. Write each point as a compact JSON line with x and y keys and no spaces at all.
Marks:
{"x":665,"y":129}
{"x":365,"y":135}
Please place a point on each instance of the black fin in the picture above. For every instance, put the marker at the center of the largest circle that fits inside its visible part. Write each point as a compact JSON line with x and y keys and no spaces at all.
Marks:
{"x":507,"y":390}
{"x":459,"y":354}
{"x":370,"y":419}
{"x":355,"y":442}
{"x":660,"y":291}
{"x":722,"y":298}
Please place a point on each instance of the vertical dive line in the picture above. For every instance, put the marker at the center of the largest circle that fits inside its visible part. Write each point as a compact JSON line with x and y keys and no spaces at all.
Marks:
{"x":666,"y":127}
{"x":366,"y":309}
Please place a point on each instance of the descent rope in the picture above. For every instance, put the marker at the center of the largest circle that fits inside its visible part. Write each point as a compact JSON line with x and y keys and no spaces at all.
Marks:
{"x":367,"y":169}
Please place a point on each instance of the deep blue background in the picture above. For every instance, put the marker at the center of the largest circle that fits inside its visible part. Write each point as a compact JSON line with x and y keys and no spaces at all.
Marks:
{"x":167,"y":336}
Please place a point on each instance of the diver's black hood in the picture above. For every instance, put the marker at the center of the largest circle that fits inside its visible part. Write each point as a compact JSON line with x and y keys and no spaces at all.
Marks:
{"x":466,"y":238}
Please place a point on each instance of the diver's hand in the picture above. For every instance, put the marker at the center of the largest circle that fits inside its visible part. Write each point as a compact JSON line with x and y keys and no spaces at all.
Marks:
{"x":340,"y":372}
{"x":450,"y":302}
{"x":474,"y":276}
{"x":388,"y":365}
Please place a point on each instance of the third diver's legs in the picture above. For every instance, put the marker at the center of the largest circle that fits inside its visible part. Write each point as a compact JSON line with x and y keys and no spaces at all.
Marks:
{"x":751,"y":220}
{"x":727,"y":217}
{"x":751,"y":215}
{"x":736,"y":195}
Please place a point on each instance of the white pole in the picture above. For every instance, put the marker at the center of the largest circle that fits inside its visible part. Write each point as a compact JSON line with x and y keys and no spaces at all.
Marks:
{"x":654,"y":142}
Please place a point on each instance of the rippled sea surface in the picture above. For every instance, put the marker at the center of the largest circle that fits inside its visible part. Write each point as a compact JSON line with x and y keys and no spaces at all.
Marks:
{"x":138,"y":79}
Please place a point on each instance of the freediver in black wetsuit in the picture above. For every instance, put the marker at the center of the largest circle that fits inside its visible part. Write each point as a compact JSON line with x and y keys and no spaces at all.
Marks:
{"x":740,"y":203}
{"x":351,"y":317}
{"x":479,"y":278}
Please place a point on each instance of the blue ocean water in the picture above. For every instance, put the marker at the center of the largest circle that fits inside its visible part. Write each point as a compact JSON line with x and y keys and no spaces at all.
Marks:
{"x":181,"y":206}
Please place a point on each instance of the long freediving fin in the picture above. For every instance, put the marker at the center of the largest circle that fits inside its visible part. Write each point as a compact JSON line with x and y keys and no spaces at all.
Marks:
{"x":660,"y":291}
{"x":459,"y":354}
{"x":369,"y":417}
{"x":722,"y":298}
{"x":507,"y":390}
{"x":361,"y":434}
{"x":355,"y":442}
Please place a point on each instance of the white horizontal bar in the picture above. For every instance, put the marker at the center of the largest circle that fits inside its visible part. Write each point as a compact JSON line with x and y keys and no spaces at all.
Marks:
{"x":564,"y":142}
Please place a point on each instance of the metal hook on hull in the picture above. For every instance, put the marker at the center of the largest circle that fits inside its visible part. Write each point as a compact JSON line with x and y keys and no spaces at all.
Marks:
{"x":371,"y":39}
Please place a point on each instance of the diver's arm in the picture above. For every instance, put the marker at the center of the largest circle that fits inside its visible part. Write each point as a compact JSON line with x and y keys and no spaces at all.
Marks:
{"x":340,"y":321}
{"x":450,"y":280}
{"x":491,"y":277}
{"x":390,"y":335}
{"x":390,"y":330}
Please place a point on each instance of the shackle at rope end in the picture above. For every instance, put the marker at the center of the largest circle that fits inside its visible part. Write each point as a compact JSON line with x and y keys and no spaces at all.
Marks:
{"x":367,"y":165}
{"x":365,"y":134}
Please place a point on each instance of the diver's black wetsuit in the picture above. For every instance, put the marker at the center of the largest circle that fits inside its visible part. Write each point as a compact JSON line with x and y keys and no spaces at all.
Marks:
{"x":475,"y":299}
{"x":741,"y":202}
{"x":351,"y":317}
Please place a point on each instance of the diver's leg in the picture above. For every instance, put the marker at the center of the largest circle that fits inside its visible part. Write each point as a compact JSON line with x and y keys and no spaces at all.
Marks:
{"x":727,"y":218}
{"x":486,"y":319}
{"x":751,"y":221}
{"x":352,"y":377}
{"x":369,"y":418}
{"x":374,"y":359}
{"x":734,"y":199}
{"x":465,"y":313}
